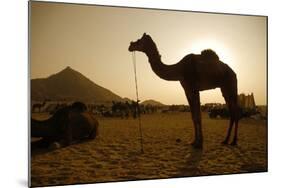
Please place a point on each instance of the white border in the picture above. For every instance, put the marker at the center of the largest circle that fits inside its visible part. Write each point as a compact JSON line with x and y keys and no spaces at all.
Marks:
{"x":14,"y":71}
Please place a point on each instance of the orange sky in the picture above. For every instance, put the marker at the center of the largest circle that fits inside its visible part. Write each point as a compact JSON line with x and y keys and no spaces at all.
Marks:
{"x":94,"y":40}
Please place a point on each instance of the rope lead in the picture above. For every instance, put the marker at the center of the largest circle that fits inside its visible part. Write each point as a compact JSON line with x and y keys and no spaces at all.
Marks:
{"x":137,"y":95}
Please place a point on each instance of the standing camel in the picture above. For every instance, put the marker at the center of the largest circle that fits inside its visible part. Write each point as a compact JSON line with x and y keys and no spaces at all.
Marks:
{"x":196,"y":72}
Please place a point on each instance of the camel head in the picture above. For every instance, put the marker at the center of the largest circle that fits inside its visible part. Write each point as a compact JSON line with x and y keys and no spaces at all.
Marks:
{"x":141,"y":44}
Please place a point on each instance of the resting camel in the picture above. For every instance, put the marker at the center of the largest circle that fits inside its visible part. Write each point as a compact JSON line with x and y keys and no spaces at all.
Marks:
{"x":196,"y":72}
{"x":68,"y":124}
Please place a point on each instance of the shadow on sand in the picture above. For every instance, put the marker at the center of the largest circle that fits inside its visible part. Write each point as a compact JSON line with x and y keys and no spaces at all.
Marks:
{"x":192,"y":160}
{"x":249,"y":162}
{"x":40,"y":147}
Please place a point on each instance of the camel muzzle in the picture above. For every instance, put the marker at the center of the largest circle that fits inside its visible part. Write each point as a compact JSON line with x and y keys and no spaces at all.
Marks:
{"x":130,"y":47}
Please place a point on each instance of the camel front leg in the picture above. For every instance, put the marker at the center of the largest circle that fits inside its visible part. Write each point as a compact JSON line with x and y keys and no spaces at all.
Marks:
{"x":194,"y":102}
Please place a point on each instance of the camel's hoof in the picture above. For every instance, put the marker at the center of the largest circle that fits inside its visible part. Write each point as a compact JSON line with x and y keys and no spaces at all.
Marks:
{"x":233,"y":143}
{"x":178,"y":140}
{"x":197,"y":145}
{"x":54,"y":146}
{"x":224,"y":142}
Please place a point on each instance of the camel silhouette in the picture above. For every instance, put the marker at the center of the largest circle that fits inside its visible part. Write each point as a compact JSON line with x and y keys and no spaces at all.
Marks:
{"x":196,"y":72}
{"x":68,"y":124}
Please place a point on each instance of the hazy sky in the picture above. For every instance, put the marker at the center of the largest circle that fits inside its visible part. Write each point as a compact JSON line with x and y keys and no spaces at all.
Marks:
{"x":94,"y":40}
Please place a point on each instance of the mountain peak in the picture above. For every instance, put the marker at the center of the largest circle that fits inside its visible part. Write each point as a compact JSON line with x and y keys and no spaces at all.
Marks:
{"x":67,"y":72}
{"x":70,"y":84}
{"x":68,"y":68}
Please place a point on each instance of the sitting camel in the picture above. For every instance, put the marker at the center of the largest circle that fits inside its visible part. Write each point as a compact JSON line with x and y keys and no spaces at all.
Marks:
{"x":68,"y":124}
{"x":196,"y":72}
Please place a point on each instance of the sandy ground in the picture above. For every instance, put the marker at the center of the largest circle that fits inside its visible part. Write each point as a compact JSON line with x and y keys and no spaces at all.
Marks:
{"x":115,"y":155}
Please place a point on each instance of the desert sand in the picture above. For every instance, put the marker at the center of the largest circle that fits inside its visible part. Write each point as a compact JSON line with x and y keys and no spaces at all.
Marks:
{"x":115,"y":155}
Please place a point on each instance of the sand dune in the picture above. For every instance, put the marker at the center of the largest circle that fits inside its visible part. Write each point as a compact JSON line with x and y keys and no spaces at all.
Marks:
{"x":115,"y":154}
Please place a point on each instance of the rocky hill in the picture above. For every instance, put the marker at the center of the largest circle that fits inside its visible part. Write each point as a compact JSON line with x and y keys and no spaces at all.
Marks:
{"x":70,"y":85}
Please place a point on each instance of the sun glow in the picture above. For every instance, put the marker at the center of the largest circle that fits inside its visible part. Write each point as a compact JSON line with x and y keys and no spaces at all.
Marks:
{"x":221,"y":49}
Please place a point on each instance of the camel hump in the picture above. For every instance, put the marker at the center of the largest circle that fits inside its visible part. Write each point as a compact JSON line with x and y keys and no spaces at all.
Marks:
{"x":79,"y":106}
{"x":209,"y":55}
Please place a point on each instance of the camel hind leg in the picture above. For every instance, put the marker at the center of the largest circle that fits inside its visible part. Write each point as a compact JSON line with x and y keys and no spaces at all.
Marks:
{"x":228,"y":131}
{"x":234,"y":141}
{"x":230,"y":96}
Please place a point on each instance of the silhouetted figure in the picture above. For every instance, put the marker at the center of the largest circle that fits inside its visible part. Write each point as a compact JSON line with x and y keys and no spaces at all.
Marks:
{"x":196,"y":72}
{"x":135,"y":109}
{"x":120,"y":109}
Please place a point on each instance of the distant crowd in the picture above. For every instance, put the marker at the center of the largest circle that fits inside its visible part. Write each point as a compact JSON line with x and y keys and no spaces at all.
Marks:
{"x":135,"y":108}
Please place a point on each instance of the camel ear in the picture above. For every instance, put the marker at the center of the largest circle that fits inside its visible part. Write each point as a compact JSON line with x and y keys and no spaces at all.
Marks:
{"x":144,"y":34}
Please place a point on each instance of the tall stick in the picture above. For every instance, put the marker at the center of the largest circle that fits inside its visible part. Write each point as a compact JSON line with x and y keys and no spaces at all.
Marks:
{"x":137,"y":95}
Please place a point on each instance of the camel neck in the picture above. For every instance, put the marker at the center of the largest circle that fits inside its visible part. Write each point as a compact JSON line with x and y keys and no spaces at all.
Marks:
{"x":166,"y":72}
